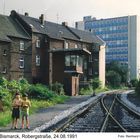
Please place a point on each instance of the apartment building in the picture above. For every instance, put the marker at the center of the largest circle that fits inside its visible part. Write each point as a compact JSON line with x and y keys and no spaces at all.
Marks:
{"x":121,"y":36}
{"x":58,"y":53}
{"x":15,"y":50}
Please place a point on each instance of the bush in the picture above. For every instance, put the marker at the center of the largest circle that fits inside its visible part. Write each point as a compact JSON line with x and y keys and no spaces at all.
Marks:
{"x":6,"y":96}
{"x":3,"y":82}
{"x":95,"y":83}
{"x":40,"y":91}
{"x":137,"y":89}
{"x":57,"y":88}
{"x":86,"y":91}
{"x":134,"y":82}
{"x":113,"y":79}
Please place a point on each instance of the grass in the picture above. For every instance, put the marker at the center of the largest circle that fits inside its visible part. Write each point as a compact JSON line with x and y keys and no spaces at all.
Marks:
{"x":98,"y":90}
{"x":89,"y":90}
{"x":5,"y":117}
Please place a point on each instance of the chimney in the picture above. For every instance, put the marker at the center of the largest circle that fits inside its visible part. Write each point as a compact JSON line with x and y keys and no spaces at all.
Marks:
{"x":26,"y":14}
{"x":65,"y":23}
{"x":41,"y":18}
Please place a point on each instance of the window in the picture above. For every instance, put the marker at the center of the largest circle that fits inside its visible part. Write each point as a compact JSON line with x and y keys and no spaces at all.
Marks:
{"x":85,"y":78}
{"x":76,"y":46}
{"x":67,"y":60}
{"x":73,"y":60}
{"x":85,"y":65}
{"x":90,"y":58}
{"x":21,"y":46}
{"x":66,"y":45}
{"x":37,"y":60}
{"x":90,"y":71}
{"x":4,"y":70}
{"x":4,"y":52}
{"x":21,"y":62}
{"x":38,"y":43}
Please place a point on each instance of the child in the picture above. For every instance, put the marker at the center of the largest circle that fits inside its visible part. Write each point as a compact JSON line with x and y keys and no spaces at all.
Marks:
{"x":16,"y":110}
{"x":25,"y":110}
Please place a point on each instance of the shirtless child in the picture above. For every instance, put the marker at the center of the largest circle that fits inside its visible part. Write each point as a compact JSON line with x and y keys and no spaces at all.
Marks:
{"x":16,"y":110}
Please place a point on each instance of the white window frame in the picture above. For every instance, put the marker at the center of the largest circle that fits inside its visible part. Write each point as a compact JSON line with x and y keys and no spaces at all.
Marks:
{"x":4,"y":70}
{"x":4,"y":52}
{"x":38,"y":43}
{"x":22,"y":46}
{"x":37,"y":60}
{"x":66,"y":45}
{"x":21,"y":62}
{"x":76,"y":46}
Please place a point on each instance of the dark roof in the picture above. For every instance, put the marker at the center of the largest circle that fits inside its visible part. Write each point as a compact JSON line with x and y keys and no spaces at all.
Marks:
{"x":9,"y":28}
{"x":51,"y":29}
{"x":87,"y":36}
{"x":59,"y":31}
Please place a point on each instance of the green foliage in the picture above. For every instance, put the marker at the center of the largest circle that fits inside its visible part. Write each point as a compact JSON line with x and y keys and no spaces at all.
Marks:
{"x":3,"y":82}
{"x":41,"y":96}
{"x":137,"y":89}
{"x":6,"y":97}
{"x":134,"y":82}
{"x":113,"y":78}
{"x":86,"y":91}
{"x":122,"y":71}
{"x":99,"y":90}
{"x":95,"y":83}
{"x":5,"y":118}
{"x":57,"y":88}
{"x":40,"y":91}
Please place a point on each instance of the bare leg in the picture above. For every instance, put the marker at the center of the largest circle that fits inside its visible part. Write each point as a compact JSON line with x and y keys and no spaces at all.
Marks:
{"x":27,"y":122}
{"x":13,"y":122}
{"x":22,"y":121}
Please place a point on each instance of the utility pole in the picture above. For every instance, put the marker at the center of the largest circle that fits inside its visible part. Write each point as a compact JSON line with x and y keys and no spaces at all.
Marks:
{"x":3,"y":7}
{"x":57,"y":17}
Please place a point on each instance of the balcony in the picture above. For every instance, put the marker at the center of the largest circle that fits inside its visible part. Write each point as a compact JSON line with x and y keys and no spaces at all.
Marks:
{"x":73,"y":69}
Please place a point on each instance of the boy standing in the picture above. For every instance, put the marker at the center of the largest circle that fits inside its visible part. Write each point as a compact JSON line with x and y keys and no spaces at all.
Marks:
{"x":16,"y":110}
{"x":25,"y":110}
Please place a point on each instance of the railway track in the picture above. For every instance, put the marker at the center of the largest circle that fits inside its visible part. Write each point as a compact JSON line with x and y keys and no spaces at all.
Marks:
{"x":108,"y":114}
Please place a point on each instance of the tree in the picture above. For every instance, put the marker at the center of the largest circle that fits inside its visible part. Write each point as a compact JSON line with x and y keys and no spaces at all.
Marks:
{"x":113,"y":78}
{"x":134,"y":82}
{"x":119,"y":69}
{"x":137,"y":89}
{"x":95,"y":83}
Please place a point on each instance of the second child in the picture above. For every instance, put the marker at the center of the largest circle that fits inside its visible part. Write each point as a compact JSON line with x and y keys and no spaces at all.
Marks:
{"x":26,"y":104}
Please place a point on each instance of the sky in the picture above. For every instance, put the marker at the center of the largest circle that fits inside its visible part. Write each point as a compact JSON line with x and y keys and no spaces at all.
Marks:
{"x":71,"y":10}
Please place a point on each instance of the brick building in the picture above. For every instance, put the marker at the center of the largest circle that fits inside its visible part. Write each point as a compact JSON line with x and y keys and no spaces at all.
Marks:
{"x":15,"y":50}
{"x":60,"y":53}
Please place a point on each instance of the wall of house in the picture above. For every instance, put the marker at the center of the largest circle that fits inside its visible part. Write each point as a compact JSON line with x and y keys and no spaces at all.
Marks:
{"x":39,"y":71}
{"x":56,"y":62}
{"x":102,"y":65}
{"x":15,"y":53}
{"x":58,"y":67}
{"x":5,"y":59}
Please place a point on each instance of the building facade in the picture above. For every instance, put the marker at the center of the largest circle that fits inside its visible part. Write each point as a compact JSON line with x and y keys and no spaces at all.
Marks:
{"x":121,"y":37}
{"x":47,"y":52}
{"x":15,"y":50}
